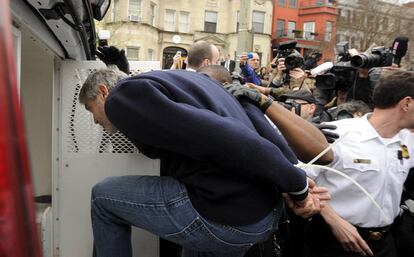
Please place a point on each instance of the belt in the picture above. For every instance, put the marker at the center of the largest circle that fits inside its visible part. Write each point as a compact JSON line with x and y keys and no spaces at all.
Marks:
{"x":374,"y":234}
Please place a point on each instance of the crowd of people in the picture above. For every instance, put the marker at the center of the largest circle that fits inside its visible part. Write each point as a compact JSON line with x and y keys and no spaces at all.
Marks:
{"x":237,"y":142}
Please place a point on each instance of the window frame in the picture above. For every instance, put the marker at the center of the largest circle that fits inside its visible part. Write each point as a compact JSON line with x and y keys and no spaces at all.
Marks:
{"x":261,"y":24}
{"x":208,"y":24}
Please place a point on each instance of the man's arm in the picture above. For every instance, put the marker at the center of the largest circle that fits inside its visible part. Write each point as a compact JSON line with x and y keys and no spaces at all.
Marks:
{"x":345,"y":232}
{"x":306,"y":140}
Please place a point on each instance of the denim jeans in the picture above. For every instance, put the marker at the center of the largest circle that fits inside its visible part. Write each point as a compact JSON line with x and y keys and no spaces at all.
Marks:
{"x":161,"y":206}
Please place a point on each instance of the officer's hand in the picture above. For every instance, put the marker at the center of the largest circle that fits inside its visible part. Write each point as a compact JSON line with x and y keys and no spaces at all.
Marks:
{"x":112,"y":55}
{"x":330,"y":136}
{"x":349,"y":237}
{"x":240,"y":92}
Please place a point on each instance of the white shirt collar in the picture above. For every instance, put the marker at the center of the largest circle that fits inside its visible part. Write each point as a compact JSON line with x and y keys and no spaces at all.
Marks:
{"x":369,"y":132}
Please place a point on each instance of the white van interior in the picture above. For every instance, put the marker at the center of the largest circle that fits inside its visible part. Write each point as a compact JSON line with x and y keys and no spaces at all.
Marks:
{"x":68,"y":152}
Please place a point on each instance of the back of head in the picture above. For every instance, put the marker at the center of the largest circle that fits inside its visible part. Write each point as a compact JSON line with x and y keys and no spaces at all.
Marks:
{"x":107,"y":77}
{"x":217,"y":72}
{"x":392,"y":88}
{"x":198,"y":52}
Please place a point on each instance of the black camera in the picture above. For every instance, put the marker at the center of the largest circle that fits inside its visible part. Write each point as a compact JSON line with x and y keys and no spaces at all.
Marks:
{"x":379,"y":57}
{"x":293,"y":59}
{"x":342,"y":49}
{"x":339,"y":77}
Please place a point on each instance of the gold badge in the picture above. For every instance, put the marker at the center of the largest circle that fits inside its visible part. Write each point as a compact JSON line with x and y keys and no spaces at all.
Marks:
{"x":365,"y":161}
{"x":404,"y":152}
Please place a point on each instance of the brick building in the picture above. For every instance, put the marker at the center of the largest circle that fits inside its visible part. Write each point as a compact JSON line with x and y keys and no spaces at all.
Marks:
{"x":312,"y":23}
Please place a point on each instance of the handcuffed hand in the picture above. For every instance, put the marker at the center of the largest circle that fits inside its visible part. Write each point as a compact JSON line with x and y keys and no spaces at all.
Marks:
{"x":112,"y":55}
{"x":312,"y":204}
{"x":330,"y":136}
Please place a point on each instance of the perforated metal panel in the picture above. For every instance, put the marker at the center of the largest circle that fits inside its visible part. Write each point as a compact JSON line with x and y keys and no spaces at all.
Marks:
{"x":84,"y":136}
{"x":85,"y":154}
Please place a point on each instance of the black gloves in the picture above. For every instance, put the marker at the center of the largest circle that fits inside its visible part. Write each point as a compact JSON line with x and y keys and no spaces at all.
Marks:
{"x":112,"y":55}
{"x":240,"y":92}
{"x":330,"y":136}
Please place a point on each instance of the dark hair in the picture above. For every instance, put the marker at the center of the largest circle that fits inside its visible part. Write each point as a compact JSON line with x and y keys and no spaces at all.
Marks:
{"x":198,"y":52}
{"x":392,"y":88}
{"x":217,"y":72}
{"x":354,"y":106}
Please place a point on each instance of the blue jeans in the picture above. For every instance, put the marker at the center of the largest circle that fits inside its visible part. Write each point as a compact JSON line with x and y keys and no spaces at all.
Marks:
{"x":161,"y":206}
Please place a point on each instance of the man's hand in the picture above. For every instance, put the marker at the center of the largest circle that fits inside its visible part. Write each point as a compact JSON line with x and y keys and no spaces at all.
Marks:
{"x":112,"y":55}
{"x":281,"y":65}
{"x":312,"y":204}
{"x":243,"y":59}
{"x":297,"y":76}
{"x":346,"y":233}
{"x":330,"y":136}
{"x":177,"y":62}
{"x":263,"y":90}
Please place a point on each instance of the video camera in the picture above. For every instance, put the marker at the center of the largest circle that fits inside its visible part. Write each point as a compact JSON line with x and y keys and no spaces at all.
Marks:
{"x":339,"y":77}
{"x":293,"y":59}
{"x":342,"y":49}
{"x":379,"y":57}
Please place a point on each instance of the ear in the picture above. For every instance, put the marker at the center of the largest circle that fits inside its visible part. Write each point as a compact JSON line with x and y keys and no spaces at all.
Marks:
{"x":312,"y":109}
{"x":405,"y":103}
{"x":103,"y":90}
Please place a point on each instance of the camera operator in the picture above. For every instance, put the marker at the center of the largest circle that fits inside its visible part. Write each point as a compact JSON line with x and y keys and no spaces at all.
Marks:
{"x":278,"y":78}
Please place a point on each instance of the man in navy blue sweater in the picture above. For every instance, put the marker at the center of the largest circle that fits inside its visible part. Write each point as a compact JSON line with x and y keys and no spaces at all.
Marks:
{"x":223,"y":190}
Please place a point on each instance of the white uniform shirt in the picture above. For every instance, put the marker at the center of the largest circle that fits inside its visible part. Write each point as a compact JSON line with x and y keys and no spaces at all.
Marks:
{"x":373,"y":162}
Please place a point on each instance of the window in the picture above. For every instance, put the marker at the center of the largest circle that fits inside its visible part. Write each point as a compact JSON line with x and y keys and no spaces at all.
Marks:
{"x":280,"y":28}
{"x":238,"y":21}
{"x":210,"y":21}
{"x":184,"y":22}
{"x":293,"y":3}
{"x":115,"y":10}
{"x":258,"y":21}
{"x":291,"y":28}
{"x":151,"y":56}
{"x":169,"y":21}
{"x":309,"y":30}
{"x":133,"y":53}
{"x":328,"y":32}
{"x":152,"y":18}
{"x":134,"y":10}
{"x":282,"y":2}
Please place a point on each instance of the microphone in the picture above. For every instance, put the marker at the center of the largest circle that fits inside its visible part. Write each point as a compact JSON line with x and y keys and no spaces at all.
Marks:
{"x":324,"y":67}
{"x":399,"y":49}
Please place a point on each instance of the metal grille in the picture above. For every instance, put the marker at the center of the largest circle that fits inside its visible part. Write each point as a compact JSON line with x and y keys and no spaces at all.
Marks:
{"x":82,"y":134}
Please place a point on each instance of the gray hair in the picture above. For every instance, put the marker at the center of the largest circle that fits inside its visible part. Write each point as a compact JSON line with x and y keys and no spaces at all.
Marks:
{"x":108,"y":77}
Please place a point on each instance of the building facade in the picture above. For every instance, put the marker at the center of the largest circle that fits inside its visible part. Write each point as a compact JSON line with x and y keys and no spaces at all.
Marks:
{"x":312,"y":23}
{"x":154,"y":30}
{"x":364,"y":23}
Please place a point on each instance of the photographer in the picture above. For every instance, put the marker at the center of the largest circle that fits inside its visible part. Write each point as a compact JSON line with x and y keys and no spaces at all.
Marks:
{"x":278,"y":78}
{"x":249,"y":65}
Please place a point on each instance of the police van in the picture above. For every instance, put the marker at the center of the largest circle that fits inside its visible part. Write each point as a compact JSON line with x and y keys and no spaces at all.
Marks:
{"x":51,"y":152}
